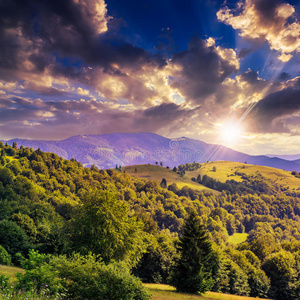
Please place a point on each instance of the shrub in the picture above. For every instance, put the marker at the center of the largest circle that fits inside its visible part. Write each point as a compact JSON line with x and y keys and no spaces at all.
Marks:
{"x":91,"y":279}
{"x":3,"y":283}
{"x":5,"y":258}
{"x":80,"y":277}
{"x":40,"y":274}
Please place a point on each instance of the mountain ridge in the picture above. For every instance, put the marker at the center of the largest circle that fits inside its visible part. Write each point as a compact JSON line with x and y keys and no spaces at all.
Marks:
{"x":108,"y":150}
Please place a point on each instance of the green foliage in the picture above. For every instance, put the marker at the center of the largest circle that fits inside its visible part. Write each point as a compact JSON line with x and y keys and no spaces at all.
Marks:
{"x":189,"y":167}
{"x":233,"y":280}
{"x":40,"y":273}
{"x":284,"y":271}
{"x":156,"y":264}
{"x":258,"y":282}
{"x":4,"y":283}
{"x":80,"y":277}
{"x":26,"y":223}
{"x":102,"y":225}
{"x":13,"y":238}
{"x":6,"y":176}
{"x":5,"y":258}
{"x":88,"y":278}
{"x":46,"y":203}
{"x":248,"y":263}
{"x":193,"y":270}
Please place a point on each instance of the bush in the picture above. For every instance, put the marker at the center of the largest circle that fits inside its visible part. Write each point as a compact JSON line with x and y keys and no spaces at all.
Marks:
{"x":80,"y":277}
{"x":40,"y":274}
{"x":91,"y":279}
{"x":5,"y":258}
{"x":4,"y":283}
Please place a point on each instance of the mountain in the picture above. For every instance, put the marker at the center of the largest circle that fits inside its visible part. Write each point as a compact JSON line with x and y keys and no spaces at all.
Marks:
{"x":109,"y":150}
{"x":286,"y":157}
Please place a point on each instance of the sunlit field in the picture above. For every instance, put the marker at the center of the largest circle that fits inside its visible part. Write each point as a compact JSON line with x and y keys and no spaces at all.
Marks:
{"x":166,"y":292}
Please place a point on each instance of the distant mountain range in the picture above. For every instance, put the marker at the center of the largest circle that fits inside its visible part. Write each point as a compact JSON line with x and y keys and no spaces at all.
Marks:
{"x":108,"y":150}
{"x":286,"y":157}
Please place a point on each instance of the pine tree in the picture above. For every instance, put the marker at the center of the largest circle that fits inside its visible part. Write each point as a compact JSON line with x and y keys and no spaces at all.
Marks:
{"x":193,"y":270}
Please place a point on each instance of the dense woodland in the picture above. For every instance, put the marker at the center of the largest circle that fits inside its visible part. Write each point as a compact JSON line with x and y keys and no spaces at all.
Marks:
{"x":56,"y":211}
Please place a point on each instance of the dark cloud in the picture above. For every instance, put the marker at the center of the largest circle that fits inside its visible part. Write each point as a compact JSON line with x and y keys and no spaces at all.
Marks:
{"x":244,"y":52}
{"x":43,"y":33}
{"x":250,"y":77}
{"x":284,"y":76}
{"x":267,"y":9}
{"x":203,"y":69}
{"x":270,"y":114}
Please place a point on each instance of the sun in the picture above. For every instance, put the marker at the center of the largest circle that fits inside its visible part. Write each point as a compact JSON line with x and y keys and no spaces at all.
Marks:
{"x":230,"y":133}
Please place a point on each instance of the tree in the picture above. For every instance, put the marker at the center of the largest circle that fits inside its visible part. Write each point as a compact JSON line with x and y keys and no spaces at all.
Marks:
{"x":13,"y":238}
{"x":214,"y":169}
{"x":198,"y":178}
{"x":173,"y":187}
{"x":102,"y":225}
{"x":161,"y":163}
{"x":281,"y":268}
{"x":233,"y":279}
{"x":193,"y":270}
{"x":163,"y":183}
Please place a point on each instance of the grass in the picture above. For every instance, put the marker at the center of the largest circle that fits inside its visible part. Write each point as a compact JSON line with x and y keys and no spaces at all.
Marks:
{"x":237,"y":238}
{"x":10,"y":271}
{"x":166,"y":292}
{"x":153,"y":172}
{"x":226,"y":170}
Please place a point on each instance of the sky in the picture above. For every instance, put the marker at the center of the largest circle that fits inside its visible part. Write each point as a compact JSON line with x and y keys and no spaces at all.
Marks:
{"x":224,"y":72}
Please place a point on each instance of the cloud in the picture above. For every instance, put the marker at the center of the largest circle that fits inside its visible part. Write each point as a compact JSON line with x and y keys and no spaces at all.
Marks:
{"x":201,"y":68}
{"x":64,"y":39}
{"x":277,"y":112}
{"x":83,"y":92}
{"x":269,"y":20}
{"x":38,"y":119}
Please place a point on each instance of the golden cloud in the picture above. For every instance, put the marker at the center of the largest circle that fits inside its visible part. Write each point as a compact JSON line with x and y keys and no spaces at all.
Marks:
{"x":95,"y":12}
{"x":276,"y":27}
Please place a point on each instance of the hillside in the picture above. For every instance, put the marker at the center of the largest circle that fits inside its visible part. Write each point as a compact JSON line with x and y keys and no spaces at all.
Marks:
{"x":58,"y":206}
{"x":107,"y":150}
{"x":153,"y":172}
{"x":226,"y":170}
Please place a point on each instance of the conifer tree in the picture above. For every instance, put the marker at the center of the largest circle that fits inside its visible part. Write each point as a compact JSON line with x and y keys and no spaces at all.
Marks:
{"x":193,"y":270}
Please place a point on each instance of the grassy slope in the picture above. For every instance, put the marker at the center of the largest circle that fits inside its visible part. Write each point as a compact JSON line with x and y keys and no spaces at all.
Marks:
{"x":166,"y":292}
{"x":226,"y":171}
{"x":152,"y":172}
{"x":10,"y":271}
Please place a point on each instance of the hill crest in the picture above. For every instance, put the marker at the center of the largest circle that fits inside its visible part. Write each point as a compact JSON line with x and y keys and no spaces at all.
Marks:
{"x":108,"y":150}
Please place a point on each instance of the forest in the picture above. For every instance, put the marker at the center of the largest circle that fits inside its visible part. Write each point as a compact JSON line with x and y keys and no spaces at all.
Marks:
{"x":74,"y":228}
